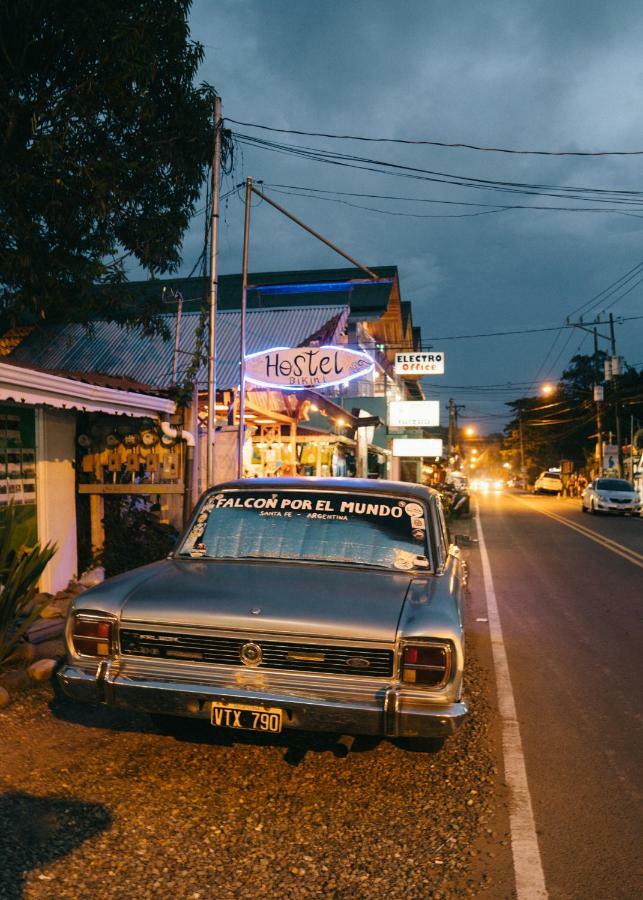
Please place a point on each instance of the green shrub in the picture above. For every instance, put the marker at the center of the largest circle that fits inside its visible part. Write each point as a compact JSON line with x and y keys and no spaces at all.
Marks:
{"x":20,"y":571}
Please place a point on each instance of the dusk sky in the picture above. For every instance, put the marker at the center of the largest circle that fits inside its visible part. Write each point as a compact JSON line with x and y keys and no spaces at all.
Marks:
{"x":554,"y":76}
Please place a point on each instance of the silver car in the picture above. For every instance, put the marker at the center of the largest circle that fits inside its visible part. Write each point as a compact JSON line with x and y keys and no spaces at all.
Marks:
{"x":330,"y":605}
{"x":614,"y":495}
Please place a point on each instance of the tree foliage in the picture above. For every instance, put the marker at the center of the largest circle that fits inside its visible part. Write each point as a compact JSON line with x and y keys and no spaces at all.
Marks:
{"x":563,"y":426}
{"x":105,"y":143}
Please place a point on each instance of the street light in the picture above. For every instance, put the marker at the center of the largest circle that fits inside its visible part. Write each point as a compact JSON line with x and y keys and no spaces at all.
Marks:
{"x":469,"y":431}
{"x":547,"y":389}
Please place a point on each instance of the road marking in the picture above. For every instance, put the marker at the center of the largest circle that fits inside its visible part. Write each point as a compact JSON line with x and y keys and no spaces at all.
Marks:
{"x":631,"y":555}
{"x":528,"y":869}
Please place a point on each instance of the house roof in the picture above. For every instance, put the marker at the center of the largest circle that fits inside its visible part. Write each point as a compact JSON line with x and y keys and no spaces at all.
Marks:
{"x":266,"y":290}
{"x":37,"y":386}
{"x":113,"y":350}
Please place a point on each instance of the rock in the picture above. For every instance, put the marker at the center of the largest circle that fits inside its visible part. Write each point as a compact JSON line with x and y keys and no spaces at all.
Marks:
{"x":24,"y":653}
{"x":54,"y":649}
{"x":51,"y":611}
{"x":14,"y":680}
{"x":42,"y":670}
{"x":4,"y":697}
{"x":92,"y":577}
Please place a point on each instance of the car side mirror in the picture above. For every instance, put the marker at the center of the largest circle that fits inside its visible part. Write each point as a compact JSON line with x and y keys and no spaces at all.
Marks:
{"x":464,"y":540}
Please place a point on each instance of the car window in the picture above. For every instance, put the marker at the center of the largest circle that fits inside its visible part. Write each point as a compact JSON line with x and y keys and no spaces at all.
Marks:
{"x":324,"y":526}
{"x":442,"y":532}
{"x":614,"y":484}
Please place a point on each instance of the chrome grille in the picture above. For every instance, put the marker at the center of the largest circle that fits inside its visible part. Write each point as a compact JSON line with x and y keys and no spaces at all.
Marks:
{"x":225,"y":651}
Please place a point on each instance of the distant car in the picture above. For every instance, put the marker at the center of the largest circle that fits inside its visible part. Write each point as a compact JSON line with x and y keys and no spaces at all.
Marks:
{"x":548,"y":483}
{"x":327,"y":605}
{"x":615,"y":495}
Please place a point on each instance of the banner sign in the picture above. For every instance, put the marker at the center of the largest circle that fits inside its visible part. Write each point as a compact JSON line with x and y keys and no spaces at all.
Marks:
{"x":297,"y":368}
{"x":414,"y":413}
{"x":417,"y":447}
{"x":419,"y":363}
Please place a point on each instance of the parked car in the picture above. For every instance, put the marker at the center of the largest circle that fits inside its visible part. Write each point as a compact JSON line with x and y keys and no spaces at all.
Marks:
{"x":333,"y":605}
{"x":615,"y":495}
{"x":548,"y":483}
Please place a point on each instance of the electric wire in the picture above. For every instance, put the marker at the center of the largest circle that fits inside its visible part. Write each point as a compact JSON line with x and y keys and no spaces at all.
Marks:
{"x":443,"y":144}
{"x":591,"y":195}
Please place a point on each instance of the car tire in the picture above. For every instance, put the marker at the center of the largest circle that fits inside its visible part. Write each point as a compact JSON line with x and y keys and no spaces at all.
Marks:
{"x":583,"y":508}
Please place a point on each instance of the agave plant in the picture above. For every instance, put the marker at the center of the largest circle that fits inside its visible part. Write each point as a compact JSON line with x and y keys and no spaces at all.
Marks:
{"x":20,"y":571}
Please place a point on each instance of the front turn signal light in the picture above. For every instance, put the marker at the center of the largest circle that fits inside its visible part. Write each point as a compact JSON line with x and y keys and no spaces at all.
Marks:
{"x":92,"y":635}
{"x":428,"y":665}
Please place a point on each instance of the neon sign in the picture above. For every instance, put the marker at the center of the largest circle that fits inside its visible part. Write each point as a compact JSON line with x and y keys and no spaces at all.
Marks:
{"x":298,"y":368}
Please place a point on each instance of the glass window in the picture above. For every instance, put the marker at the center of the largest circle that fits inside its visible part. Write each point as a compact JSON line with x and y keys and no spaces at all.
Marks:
{"x":320,"y":526}
{"x":614,"y":484}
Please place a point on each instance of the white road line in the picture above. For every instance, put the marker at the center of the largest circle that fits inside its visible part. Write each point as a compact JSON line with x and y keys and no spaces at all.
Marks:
{"x":528,"y":869}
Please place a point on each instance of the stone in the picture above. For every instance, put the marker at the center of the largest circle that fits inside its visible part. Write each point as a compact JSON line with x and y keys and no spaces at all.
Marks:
{"x":92,"y":577}
{"x":4,"y":697}
{"x":42,"y":669}
{"x":51,"y":611}
{"x":54,"y":649}
{"x":14,"y":680}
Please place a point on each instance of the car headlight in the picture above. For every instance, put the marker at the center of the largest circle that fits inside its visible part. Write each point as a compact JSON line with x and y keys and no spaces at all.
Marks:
{"x":427,"y":664}
{"x":92,"y":635}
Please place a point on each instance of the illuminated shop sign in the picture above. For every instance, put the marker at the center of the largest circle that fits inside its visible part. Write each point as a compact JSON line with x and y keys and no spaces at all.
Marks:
{"x":419,"y":363}
{"x":414,"y":413}
{"x":417,"y":448}
{"x":297,"y":368}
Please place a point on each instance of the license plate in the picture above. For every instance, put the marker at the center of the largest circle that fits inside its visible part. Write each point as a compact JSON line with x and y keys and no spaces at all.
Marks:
{"x":247,"y":718}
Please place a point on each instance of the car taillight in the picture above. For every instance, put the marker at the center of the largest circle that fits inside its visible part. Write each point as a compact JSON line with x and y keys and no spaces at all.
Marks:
{"x":92,"y":636}
{"x":426,"y":664}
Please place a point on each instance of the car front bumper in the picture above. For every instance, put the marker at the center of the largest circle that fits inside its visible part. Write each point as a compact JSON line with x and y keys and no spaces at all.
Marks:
{"x":332,"y":705}
{"x":606,"y":506}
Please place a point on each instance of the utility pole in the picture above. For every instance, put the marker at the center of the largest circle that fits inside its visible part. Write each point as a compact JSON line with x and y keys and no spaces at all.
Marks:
{"x":213,"y":291}
{"x":242,"y":349}
{"x":451,"y":420}
{"x":522,"y":443}
{"x":598,"y":392}
{"x":615,"y":380}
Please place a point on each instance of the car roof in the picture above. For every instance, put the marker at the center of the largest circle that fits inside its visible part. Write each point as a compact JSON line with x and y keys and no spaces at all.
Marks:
{"x":359,"y":485}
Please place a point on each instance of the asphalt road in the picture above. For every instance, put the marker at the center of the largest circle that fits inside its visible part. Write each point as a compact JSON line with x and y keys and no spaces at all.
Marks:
{"x":569,"y":589}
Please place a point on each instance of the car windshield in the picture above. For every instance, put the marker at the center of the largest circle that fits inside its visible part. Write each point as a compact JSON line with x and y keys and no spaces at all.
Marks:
{"x":552,"y":476}
{"x":614,"y":484}
{"x":319,"y":526}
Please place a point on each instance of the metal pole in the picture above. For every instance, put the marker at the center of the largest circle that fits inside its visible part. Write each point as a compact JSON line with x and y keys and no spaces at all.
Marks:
{"x":615,"y":389}
{"x":212,"y":298}
{"x":599,"y":424}
{"x":242,"y":349}
{"x":178,"y":296}
{"x":316,"y":234}
{"x":522,"y":445}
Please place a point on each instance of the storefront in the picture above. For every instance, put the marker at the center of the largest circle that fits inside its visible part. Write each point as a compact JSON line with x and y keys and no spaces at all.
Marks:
{"x":53,"y":427}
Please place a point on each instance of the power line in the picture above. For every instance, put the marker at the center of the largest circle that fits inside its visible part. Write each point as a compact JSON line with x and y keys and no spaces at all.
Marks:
{"x":444,"y":144}
{"x":312,"y":193}
{"x":592,"y":195}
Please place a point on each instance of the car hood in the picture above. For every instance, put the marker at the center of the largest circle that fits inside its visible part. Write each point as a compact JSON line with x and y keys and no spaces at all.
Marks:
{"x":620,"y":495}
{"x":268,"y":597}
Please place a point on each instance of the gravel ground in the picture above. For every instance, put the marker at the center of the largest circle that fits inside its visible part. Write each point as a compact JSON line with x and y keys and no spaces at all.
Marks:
{"x":96,"y":803}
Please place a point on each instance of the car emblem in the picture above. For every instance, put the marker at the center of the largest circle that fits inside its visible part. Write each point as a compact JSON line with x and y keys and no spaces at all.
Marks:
{"x":255,"y":610}
{"x":358,"y":662}
{"x":251,"y":654}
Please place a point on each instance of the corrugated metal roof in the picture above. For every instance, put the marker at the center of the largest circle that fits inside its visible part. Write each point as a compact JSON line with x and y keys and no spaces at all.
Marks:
{"x":113,"y":350}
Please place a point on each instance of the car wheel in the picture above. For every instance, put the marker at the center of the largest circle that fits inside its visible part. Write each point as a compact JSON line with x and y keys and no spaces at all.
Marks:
{"x":592,"y":508}
{"x":583,"y":508}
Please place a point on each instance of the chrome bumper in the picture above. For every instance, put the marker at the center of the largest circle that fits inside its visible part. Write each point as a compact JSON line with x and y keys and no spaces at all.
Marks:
{"x":330,"y":705}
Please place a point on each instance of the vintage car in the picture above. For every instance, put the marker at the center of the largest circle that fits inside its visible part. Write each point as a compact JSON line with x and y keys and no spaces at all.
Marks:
{"x":289,"y":603}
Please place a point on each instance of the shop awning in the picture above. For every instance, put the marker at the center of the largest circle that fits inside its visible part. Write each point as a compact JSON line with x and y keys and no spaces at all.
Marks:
{"x":40,"y":387}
